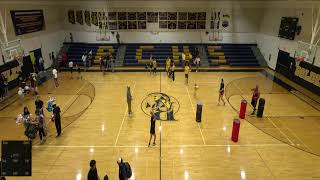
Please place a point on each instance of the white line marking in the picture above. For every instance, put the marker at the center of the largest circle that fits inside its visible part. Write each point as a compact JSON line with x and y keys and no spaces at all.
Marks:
{"x":124,"y":117}
{"x":166,"y":146}
{"x":294,"y":134}
{"x":194,"y":112}
{"x":281,"y":131}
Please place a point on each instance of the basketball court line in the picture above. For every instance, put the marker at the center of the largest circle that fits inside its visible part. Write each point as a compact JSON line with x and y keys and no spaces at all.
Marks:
{"x":165,"y":146}
{"x":294,"y":134}
{"x":270,"y":171}
{"x":76,"y":95}
{"x":280,"y":131}
{"x":194,"y":112}
{"x":124,"y":117}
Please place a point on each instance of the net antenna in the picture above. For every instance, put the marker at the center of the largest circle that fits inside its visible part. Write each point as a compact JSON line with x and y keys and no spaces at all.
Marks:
{"x":103,"y":33}
{"x":10,"y":49}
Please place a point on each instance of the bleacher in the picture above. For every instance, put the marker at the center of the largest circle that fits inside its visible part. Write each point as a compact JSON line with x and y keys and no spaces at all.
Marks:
{"x":76,"y":50}
{"x":139,"y":54}
{"x":231,"y":54}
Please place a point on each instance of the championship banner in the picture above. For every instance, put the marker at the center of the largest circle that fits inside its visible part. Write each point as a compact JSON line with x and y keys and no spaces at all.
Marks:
{"x":71,"y":17}
{"x":87,"y":18}
{"x":27,"y":21}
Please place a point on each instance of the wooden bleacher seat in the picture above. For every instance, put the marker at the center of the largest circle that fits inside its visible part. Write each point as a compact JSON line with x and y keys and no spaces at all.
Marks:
{"x":143,"y":61}
{"x":105,"y":47}
{"x":146,"y":47}
{"x":217,"y":54}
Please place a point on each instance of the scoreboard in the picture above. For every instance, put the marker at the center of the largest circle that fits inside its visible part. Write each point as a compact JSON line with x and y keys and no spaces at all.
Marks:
{"x":16,"y":158}
{"x":27,"y":21}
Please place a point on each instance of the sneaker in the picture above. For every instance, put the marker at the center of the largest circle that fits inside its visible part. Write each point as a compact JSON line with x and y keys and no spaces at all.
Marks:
{"x":149,"y":145}
{"x":154,"y":144}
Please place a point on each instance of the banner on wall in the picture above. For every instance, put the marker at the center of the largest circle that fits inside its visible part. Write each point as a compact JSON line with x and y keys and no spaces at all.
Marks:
{"x":79,"y":17}
{"x":27,"y":21}
{"x":71,"y":17}
{"x":87,"y":18}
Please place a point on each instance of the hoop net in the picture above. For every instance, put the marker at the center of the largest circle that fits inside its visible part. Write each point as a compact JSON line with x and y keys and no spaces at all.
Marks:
{"x":305,"y":52}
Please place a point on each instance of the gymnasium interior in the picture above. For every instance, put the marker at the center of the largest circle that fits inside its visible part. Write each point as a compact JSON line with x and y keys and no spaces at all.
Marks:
{"x":112,"y":66}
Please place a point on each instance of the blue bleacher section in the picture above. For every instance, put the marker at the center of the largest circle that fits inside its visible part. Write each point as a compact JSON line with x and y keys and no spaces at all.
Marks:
{"x":232,"y":54}
{"x":139,"y":54}
{"x":76,"y":50}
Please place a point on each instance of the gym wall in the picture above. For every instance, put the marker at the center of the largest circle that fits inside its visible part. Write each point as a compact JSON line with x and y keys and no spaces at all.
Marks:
{"x":244,"y":22}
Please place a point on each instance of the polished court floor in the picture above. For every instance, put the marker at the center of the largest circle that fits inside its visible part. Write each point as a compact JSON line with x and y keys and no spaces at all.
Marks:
{"x":96,"y":125}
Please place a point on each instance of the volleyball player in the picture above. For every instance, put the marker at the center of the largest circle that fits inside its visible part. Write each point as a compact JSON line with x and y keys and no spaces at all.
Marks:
{"x":152,"y":129}
{"x":255,"y":98}
{"x":221,"y":92}
{"x":186,"y":72}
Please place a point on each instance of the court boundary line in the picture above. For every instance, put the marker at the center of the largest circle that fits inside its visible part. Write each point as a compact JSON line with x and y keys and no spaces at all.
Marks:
{"x":265,"y":164}
{"x":280,"y":131}
{"x":124,"y":117}
{"x":194,"y":112}
{"x":165,"y":146}
{"x":289,"y":93}
{"x":294,"y":134}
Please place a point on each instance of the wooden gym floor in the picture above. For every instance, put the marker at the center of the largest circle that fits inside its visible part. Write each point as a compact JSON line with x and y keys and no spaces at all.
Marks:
{"x":99,"y":128}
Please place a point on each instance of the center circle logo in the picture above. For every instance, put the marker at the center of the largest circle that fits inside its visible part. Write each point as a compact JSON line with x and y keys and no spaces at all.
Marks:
{"x":164,"y":106}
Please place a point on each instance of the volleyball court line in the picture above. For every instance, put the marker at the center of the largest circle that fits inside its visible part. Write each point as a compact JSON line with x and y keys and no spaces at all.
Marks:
{"x":124,"y":117}
{"x":194,"y":112}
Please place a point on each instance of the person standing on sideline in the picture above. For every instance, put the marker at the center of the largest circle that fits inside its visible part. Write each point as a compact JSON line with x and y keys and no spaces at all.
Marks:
{"x":39,"y":104}
{"x":122,"y":170}
{"x":129,"y":100}
{"x":41,"y":124}
{"x":101,"y":63}
{"x":197,"y":63}
{"x":118,"y":38}
{"x":106,"y":63}
{"x":221,"y":92}
{"x":84,"y":59}
{"x":186,"y":72}
{"x":168,"y":65}
{"x":71,"y":68}
{"x":57,"y":119}
{"x":154,"y":66}
{"x":152,"y":128}
{"x":172,"y":70}
{"x":79,"y":71}
{"x":55,"y":77}
{"x":183,"y":57}
{"x":255,"y":98}
{"x":21,"y":95}
{"x":41,"y":63}
{"x":93,"y":173}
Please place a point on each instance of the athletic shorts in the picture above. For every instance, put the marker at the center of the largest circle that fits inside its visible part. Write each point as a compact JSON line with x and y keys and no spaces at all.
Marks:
{"x":221,"y":93}
{"x":152,"y":130}
{"x":253,"y":103}
{"x":71,"y":70}
{"x":186,"y":76}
